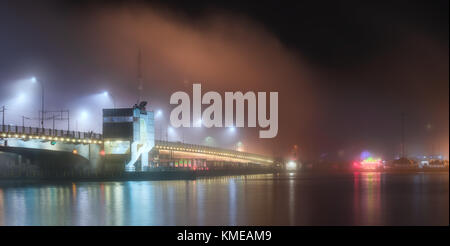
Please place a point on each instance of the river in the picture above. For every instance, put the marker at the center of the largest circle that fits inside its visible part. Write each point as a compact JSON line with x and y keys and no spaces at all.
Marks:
{"x":271,"y":199}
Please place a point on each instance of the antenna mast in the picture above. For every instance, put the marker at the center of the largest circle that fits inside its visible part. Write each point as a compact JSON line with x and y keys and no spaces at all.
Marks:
{"x":403,"y":135}
{"x":141,"y":86}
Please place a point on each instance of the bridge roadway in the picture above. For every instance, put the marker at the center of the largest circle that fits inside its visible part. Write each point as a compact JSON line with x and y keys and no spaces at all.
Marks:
{"x":183,"y":150}
{"x":27,"y":140}
{"x":90,"y":146}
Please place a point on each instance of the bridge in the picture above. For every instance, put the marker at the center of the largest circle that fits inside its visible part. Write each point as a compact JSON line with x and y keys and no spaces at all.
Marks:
{"x":183,"y":150}
{"x":30,"y":142}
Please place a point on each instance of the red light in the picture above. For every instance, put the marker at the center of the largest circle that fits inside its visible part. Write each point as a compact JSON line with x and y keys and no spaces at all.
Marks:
{"x":102,"y":152}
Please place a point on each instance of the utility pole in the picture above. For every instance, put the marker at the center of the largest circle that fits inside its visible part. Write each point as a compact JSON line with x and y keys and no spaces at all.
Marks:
{"x":53,"y":130}
{"x":68,"y":121}
{"x":23,"y":122}
{"x":61,"y":115}
{"x":3,"y":118}
{"x":43,"y":112}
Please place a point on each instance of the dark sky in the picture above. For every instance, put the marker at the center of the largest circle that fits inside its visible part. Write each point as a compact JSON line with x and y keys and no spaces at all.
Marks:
{"x":345,"y":71}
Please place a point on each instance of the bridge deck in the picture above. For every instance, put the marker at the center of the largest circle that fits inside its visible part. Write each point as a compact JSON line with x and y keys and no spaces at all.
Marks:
{"x":30,"y":133}
{"x":211,"y":151}
{"x":11,"y":131}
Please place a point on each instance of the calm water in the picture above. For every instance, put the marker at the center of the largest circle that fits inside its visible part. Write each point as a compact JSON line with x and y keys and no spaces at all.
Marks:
{"x":306,"y":199}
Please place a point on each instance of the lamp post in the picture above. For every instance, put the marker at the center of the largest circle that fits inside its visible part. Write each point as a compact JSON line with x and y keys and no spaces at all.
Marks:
{"x":3,"y":118}
{"x":34,"y":80}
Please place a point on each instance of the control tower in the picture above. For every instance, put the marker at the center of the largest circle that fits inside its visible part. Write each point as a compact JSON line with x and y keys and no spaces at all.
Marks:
{"x":129,"y":136}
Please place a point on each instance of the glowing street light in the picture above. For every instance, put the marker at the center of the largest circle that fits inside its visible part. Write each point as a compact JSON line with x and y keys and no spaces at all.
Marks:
{"x":109,"y":95}
{"x":84,"y":114}
{"x":159,"y":113}
{"x":82,"y":118}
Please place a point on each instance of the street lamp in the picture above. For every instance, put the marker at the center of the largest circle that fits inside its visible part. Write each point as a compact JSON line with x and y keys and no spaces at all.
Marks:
{"x":158,"y":113}
{"x":107,"y":94}
{"x":84,"y":114}
{"x":34,"y":80}
{"x":82,"y":118}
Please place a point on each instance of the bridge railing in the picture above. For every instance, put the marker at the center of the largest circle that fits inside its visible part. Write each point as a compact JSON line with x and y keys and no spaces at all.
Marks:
{"x":12,"y":129}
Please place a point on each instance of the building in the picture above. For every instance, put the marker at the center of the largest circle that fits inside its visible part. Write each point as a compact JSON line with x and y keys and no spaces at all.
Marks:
{"x":129,"y":136}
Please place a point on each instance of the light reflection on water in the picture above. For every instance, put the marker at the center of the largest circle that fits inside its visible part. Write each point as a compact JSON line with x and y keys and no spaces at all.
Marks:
{"x":295,"y":199}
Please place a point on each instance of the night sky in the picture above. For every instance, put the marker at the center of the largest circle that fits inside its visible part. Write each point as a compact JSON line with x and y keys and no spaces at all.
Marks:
{"x":345,"y":71}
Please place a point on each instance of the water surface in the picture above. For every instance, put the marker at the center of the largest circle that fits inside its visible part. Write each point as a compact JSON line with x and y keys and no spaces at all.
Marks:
{"x":283,"y":199}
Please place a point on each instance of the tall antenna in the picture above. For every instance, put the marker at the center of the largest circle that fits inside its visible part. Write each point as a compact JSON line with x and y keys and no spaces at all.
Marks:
{"x":403,"y":135}
{"x":141,"y":86}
